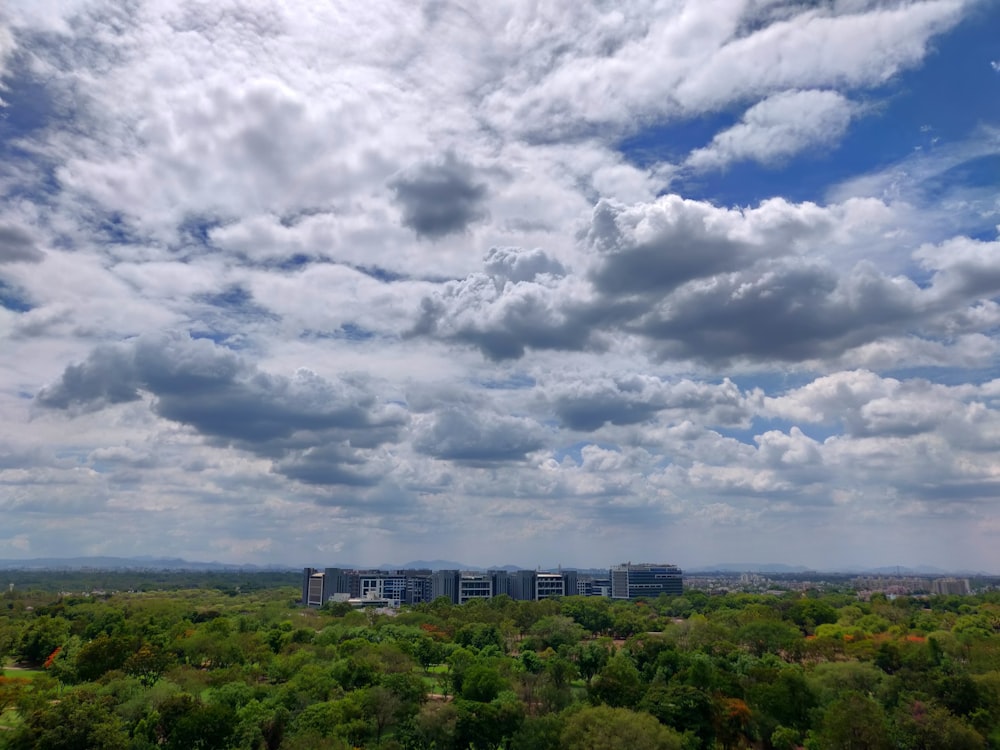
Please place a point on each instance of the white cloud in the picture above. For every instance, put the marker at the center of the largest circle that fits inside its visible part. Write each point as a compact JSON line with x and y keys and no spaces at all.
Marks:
{"x":778,"y":127}
{"x":262,"y":249}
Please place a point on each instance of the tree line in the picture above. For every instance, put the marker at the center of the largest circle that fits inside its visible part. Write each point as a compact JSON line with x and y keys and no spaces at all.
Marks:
{"x":253,"y":670}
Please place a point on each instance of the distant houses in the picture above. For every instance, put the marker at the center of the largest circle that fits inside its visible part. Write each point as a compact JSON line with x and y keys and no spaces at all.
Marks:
{"x":393,"y":588}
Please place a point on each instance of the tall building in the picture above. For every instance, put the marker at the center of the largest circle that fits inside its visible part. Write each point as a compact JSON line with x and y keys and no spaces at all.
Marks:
{"x":319,"y":587}
{"x":571,"y":580}
{"x":474,"y":586}
{"x":445,"y":583}
{"x":418,"y":587}
{"x":549,"y":585}
{"x":312,"y":587}
{"x":522,"y":585}
{"x":948,"y":586}
{"x":630,"y":581}
{"x":378,"y":584}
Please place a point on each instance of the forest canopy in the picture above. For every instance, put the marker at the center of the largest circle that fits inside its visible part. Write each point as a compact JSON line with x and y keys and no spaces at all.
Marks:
{"x":246,"y":667}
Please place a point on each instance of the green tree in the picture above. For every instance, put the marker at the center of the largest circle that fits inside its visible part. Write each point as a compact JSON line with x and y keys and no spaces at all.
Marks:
{"x":785,"y":738}
{"x":591,"y":658}
{"x":488,"y":725}
{"x":853,"y":722}
{"x":345,"y":718}
{"x":435,"y":726}
{"x":602,"y":727}
{"x":479,"y":635}
{"x":591,"y":612}
{"x":683,"y":708}
{"x":102,"y":654}
{"x":768,"y":637}
{"x":808,"y":613}
{"x":148,"y":663}
{"x":383,"y":707}
{"x":782,"y":699}
{"x":81,"y":719}
{"x":188,"y":724}
{"x":923,"y":726}
{"x":42,"y":637}
{"x":618,"y":683}
{"x":538,"y":733}
{"x":482,"y":683}
{"x":260,"y":726}
{"x":556,"y":631}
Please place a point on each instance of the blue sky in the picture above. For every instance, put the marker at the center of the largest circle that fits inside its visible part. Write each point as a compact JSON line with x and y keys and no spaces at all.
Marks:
{"x":945,"y":100}
{"x":686,"y":282}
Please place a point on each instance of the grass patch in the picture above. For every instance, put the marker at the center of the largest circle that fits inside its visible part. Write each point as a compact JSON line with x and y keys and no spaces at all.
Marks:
{"x":431,"y":684}
{"x":26,"y":674}
{"x":433,"y":677}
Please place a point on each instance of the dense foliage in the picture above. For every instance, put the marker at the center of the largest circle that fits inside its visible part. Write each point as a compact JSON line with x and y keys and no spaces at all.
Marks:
{"x":204,"y":668}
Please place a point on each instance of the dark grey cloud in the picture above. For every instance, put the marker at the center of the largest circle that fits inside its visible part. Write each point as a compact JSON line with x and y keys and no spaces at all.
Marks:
{"x":479,"y":438}
{"x":297,"y":422}
{"x":328,"y":465}
{"x":787,"y":311}
{"x":17,"y":245}
{"x":710,"y":285}
{"x":681,"y":246}
{"x":108,"y":376}
{"x":440,"y":198}
{"x":22,"y":457}
{"x":588,"y":405}
{"x":503,"y":323}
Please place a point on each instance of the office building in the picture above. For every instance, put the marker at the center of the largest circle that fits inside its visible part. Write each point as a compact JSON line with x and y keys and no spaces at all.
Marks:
{"x":631,"y":581}
{"x":474,"y":586}
{"x":950,"y":586}
{"x":549,"y":585}
{"x":398,"y":587}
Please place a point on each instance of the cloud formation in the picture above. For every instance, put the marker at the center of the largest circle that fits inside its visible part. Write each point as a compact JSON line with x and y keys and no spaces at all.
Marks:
{"x":313,"y":429}
{"x":520,"y":284}
{"x":716,"y":285}
{"x":17,"y":245}
{"x":778,"y":127}
{"x":440,"y":198}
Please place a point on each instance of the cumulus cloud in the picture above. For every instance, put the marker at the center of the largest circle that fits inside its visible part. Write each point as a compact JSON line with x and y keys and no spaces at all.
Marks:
{"x":658,"y":246}
{"x":504,"y":318}
{"x":625,"y":400}
{"x":440,"y":198}
{"x":776,"y":128}
{"x":292,"y":421}
{"x":478,"y":438}
{"x":17,"y":245}
{"x":515,"y":264}
{"x":789,"y":311}
{"x":708,"y":284}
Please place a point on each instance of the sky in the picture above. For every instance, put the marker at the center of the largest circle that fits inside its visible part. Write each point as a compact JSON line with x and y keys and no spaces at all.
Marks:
{"x":562,"y":283}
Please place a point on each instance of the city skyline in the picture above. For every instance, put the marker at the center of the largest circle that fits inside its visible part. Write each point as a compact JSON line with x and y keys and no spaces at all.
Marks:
{"x":695,"y":281}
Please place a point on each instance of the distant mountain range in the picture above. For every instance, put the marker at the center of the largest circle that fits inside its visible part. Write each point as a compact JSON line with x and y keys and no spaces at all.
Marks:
{"x":126,"y":563}
{"x":884,"y":570}
{"x":748,"y":568}
{"x":176,"y":563}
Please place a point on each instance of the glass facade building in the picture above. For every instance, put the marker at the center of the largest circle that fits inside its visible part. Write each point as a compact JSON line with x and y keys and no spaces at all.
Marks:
{"x":631,"y":581}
